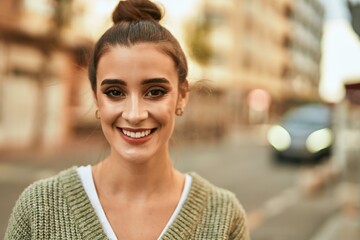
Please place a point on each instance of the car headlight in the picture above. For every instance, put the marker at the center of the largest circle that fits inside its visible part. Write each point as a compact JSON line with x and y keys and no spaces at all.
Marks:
{"x":279,"y":138}
{"x":319,"y":140}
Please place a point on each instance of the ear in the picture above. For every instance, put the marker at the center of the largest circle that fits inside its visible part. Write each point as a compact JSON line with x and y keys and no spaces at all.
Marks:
{"x":183,"y":94}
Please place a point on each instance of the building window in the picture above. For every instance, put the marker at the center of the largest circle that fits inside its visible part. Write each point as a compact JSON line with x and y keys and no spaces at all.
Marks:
{"x":215,"y":19}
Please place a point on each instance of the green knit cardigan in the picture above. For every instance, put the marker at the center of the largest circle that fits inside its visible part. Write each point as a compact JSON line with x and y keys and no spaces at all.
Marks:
{"x":59,"y":208}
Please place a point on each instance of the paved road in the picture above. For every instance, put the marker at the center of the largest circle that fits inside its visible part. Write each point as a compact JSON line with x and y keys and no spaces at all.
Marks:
{"x":269,"y":192}
{"x":272,"y":195}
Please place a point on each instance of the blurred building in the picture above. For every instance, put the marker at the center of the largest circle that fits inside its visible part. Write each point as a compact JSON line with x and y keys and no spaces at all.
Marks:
{"x":38,"y":70}
{"x":257,"y":54}
{"x":307,"y":20}
{"x":272,"y":46}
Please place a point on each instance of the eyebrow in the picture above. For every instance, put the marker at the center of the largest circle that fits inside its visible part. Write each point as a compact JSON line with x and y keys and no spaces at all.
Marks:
{"x":155,"y":80}
{"x":144,"y":82}
{"x":113,"y":81}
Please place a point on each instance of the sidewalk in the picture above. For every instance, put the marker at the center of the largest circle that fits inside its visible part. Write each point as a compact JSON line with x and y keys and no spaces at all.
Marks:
{"x":345,"y":223}
{"x":340,"y":227}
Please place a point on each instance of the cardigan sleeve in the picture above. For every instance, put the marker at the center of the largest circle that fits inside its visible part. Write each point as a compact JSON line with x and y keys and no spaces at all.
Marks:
{"x":239,"y":230}
{"x":19,"y":222}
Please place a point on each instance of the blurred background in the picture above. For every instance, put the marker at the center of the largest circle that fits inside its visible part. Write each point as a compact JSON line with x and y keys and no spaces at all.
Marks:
{"x":273,"y":114}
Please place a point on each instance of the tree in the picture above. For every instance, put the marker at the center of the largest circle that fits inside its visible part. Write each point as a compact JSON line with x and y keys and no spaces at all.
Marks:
{"x":197,"y":39}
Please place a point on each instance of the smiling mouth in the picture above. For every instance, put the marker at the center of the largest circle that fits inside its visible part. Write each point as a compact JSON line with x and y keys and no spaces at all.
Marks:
{"x":138,"y":133}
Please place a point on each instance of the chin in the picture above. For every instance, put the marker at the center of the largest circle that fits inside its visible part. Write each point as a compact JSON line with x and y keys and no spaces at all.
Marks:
{"x":135,"y":156}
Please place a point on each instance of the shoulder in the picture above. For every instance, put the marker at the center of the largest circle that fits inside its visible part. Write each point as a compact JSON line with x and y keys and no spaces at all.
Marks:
{"x":214,"y":192}
{"x":44,"y":186}
{"x":44,"y":192}
{"x":217,"y":197}
{"x":221,"y":207}
{"x":38,"y":201}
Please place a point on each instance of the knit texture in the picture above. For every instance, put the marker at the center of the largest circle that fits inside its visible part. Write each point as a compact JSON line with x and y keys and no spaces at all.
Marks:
{"x":59,"y":208}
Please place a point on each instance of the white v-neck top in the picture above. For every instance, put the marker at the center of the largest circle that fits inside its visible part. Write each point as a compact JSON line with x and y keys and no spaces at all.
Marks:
{"x":87,"y":181}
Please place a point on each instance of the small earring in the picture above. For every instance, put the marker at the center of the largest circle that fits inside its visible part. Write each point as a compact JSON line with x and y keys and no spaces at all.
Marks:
{"x":179,"y":111}
{"x":97,"y":115}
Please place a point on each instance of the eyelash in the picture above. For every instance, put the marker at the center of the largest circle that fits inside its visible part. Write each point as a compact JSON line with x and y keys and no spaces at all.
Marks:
{"x":116,"y":93}
{"x":161,"y":92}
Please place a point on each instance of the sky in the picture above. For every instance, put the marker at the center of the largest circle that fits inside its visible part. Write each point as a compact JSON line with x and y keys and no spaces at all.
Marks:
{"x":336,"y":9}
{"x":340,"y":51}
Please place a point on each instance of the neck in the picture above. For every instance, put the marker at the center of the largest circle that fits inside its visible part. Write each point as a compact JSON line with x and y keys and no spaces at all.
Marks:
{"x":136,"y":180}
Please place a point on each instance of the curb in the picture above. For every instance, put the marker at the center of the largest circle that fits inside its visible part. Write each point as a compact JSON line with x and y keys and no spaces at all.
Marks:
{"x":314,"y":179}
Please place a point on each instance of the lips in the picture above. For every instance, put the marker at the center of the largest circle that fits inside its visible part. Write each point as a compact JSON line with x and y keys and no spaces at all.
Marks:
{"x":139,"y":134}
{"x":136,"y":135}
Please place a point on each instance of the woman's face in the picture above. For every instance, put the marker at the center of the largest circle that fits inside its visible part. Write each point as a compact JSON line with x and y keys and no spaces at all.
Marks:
{"x":137,"y":96}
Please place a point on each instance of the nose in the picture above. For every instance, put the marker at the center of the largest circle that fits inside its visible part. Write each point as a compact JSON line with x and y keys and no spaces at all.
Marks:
{"x":134,"y":111}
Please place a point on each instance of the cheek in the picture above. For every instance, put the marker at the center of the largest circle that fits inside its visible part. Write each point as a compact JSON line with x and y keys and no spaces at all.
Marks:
{"x":108,"y":111}
{"x":164,"y":112}
{"x":168,"y":112}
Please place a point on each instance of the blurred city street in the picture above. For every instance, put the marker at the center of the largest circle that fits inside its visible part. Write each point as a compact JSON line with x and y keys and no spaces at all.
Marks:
{"x":250,"y":64}
{"x":282,"y":201}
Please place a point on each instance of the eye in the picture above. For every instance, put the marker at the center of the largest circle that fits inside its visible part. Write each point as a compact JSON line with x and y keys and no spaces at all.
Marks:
{"x":156,"y":92}
{"x":114,"y":92}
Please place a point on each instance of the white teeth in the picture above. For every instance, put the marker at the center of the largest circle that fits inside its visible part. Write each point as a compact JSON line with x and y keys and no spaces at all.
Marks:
{"x":136,"y":134}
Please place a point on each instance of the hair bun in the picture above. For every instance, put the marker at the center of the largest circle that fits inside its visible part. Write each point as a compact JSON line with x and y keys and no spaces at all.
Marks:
{"x":136,"y":10}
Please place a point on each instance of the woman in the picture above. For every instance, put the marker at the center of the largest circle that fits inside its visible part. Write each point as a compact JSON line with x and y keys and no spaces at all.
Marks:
{"x":138,"y":76}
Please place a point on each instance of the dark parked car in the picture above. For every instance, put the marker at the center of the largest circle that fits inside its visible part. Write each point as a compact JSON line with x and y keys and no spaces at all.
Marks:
{"x":304,"y":134}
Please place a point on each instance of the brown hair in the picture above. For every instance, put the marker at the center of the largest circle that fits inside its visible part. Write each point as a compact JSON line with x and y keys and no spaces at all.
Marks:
{"x":137,"y":21}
